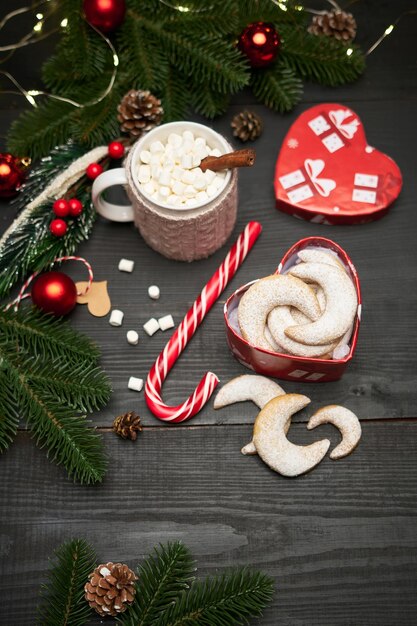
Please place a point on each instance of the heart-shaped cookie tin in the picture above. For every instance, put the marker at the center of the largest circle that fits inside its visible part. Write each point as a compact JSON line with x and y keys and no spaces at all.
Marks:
{"x":327,"y":173}
{"x":286,"y":366}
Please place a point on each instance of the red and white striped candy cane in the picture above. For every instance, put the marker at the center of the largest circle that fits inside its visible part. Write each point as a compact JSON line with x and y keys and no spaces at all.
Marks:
{"x":185,"y":332}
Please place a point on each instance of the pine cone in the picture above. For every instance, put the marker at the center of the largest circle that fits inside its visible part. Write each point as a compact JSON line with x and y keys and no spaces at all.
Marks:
{"x":127,"y":425}
{"x":139,"y":112}
{"x":338,"y":24}
{"x":247,"y":125}
{"x":110,"y":589}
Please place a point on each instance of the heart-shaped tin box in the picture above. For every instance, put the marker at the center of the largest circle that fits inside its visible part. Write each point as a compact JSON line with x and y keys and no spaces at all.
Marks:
{"x":287,"y":366}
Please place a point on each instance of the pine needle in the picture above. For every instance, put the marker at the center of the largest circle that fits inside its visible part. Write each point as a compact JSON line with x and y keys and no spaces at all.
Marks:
{"x":63,"y":602}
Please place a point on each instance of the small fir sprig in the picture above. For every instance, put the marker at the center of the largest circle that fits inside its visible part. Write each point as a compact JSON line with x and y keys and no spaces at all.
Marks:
{"x":29,"y":246}
{"x":63,"y":601}
{"x":48,"y":375}
{"x":188,"y":59}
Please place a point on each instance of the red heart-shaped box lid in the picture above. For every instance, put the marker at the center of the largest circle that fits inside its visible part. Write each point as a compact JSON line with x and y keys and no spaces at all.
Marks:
{"x":327,"y":173}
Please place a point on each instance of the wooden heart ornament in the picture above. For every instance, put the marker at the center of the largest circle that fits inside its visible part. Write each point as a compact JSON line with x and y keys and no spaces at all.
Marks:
{"x":327,"y":173}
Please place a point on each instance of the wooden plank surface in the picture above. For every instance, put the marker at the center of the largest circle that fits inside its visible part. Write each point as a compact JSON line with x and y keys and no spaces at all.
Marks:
{"x":340,"y":541}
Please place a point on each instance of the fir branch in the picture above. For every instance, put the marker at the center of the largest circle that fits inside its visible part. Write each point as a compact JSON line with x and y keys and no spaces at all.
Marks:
{"x":37,"y":353}
{"x":31,"y":247}
{"x":37,"y":334}
{"x":321,"y":59}
{"x":277,"y":87}
{"x":38,"y":131}
{"x":144,"y":58}
{"x":174,"y":96}
{"x":213,"y":59}
{"x":66,"y":435}
{"x":209,"y":102}
{"x":63,"y":601}
{"x":268,"y":11}
{"x":9,"y":415}
{"x":163,"y":576}
{"x":226,"y":600}
{"x":42,"y":174}
{"x":97,"y":124}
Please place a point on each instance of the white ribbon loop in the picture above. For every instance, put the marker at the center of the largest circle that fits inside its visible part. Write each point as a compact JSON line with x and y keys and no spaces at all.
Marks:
{"x":338,"y":118}
{"x":314,"y":167}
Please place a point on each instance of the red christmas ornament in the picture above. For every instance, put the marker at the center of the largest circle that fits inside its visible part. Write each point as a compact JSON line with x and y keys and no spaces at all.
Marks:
{"x":12,"y":174}
{"x":61,"y":207}
{"x":75,"y":207}
{"x":93,"y":170}
{"x":260,"y":42}
{"x":58,"y":227}
{"x":106,"y":15}
{"x":116,"y":150}
{"x":54,"y":292}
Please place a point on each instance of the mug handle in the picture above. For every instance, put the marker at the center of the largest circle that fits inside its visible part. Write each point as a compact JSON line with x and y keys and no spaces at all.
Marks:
{"x":114,"y":212}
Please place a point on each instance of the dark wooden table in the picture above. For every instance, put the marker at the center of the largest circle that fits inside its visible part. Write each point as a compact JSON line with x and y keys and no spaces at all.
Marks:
{"x":341,"y":542}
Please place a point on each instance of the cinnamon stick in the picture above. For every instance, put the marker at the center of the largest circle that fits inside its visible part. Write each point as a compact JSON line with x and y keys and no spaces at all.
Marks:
{"x":238,"y":158}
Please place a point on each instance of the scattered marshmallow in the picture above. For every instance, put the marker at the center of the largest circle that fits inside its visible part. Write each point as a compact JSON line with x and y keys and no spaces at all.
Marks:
{"x":166,"y":322}
{"x":151,"y":326}
{"x":116,"y":317}
{"x":126,"y":265}
{"x":132,"y":337}
{"x":135,"y":384}
{"x":154,"y":292}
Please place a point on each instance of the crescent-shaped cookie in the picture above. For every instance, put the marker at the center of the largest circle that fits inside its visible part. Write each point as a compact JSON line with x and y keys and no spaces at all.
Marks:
{"x":341,"y":304}
{"x":258,"y":389}
{"x":279,"y":319}
{"x":311,"y":255}
{"x":267,"y":293}
{"x":272,"y":444}
{"x":345,"y":421}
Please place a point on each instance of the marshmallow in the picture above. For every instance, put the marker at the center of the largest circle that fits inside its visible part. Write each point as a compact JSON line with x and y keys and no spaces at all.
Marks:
{"x":211,"y":190}
{"x":209,"y":176}
{"x":165,"y":177}
{"x":126,"y":265}
{"x":144,"y":174}
{"x":156,"y":146}
{"x":177,"y":173}
{"x":116,"y":317}
{"x":196,"y":160}
{"x":132,"y":337}
{"x":202,"y":196}
{"x":215,"y":152}
{"x":164,"y":192}
{"x":190,"y":191}
{"x":151,"y":326}
{"x":178,"y":187}
{"x":175,"y":140}
{"x":149,"y":188}
{"x":166,"y":322}
{"x":187,"y":135}
{"x":145,"y":156}
{"x":200,"y":182}
{"x":188,"y":177}
{"x":135,"y":384}
{"x":200,"y":142}
{"x":154,"y":292}
{"x":187,"y":161}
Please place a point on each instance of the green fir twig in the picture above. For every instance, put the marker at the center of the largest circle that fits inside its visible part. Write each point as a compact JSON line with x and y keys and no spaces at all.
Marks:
{"x":63,"y":601}
{"x":51,"y":375}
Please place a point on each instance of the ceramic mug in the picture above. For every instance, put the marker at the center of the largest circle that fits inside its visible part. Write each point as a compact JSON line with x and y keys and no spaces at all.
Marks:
{"x":182,"y":233}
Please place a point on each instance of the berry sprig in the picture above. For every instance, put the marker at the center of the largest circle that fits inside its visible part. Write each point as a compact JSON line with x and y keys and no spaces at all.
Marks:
{"x":63,"y":208}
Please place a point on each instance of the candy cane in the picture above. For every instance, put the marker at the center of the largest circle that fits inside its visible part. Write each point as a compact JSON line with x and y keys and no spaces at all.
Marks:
{"x":185,"y":332}
{"x":22,"y":295}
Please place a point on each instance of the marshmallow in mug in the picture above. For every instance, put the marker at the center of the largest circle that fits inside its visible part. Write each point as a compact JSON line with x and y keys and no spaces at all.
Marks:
{"x":169,"y":172}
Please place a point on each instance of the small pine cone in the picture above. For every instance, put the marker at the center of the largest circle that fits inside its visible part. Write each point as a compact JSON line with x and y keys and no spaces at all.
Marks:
{"x":139,"y":112}
{"x":247,"y":125}
{"x":338,"y":24}
{"x":127,"y":425}
{"x":111,"y":588}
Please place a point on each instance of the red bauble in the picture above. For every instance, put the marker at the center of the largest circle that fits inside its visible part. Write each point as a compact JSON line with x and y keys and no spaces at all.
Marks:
{"x":116,"y":150}
{"x":93,"y":170}
{"x":12,"y":175}
{"x":106,"y":15}
{"x":61,"y":207}
{"x":54,"y":292}
{"x":75,"y":207}
{"x":260,"y":42}
{"x":58,"y":227}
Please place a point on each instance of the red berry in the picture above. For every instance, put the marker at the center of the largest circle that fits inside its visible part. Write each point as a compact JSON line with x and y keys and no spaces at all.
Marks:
{"x":75,"y":207}
{"x":61,"y":207}
{"x":116,"y":150}
{"x":93,"y":170}
{"x":58,"y":227}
